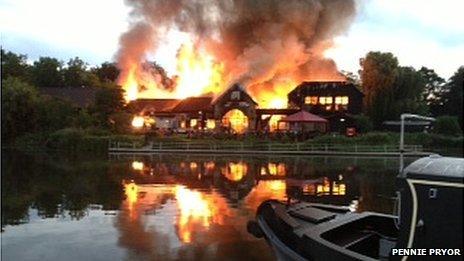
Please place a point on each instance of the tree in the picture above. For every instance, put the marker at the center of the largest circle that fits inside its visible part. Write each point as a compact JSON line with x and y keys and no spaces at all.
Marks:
{"x":107,"y":72}
{"x":389,"y":89}
{"x":54,"y":114}
{"x":46,"y":72}
{"x":14,"y":65}
{"x":453,"y":97}
{"x":75,"y":73}
{"x":407,"y":93}
{"x":109,"y":99}
{"x":433,"y":91}
{"x":19,"y":113}
{"x":378,"y":74}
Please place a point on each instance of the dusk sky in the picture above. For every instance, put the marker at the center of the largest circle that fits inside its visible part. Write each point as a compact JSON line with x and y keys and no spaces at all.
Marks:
{"x":420,"y":33}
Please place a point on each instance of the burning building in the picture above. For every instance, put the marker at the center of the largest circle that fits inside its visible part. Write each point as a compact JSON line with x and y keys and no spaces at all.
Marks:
{"x":233,"y":110}
{"x":268,"y":47}
{"x":334,"y":100}
{"x":310,"y":105}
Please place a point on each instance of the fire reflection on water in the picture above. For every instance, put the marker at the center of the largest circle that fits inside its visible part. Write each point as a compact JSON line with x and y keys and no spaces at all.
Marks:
{"x":235,"y":171}
{"x":131,"y":192}
{"x":274,"y":169}
{"x":204,"y":215}
{"x":194,"y":209}
{"x":326,"y":188}
{"x":137,"y":165}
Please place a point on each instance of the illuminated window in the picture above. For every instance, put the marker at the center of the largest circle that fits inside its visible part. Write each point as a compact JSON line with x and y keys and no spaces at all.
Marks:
{"x":193,"y":123}
{"x":325,"y":100}
{"x":210,"y":124}
{"x":311,"y":100}
{"x":343,"y":100}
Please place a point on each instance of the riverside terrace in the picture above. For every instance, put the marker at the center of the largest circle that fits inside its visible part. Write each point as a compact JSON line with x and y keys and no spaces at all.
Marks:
{"x":236,"y":111}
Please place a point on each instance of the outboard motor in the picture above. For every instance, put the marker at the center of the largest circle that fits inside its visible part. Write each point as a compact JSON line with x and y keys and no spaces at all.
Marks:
{"x":431,"y":198}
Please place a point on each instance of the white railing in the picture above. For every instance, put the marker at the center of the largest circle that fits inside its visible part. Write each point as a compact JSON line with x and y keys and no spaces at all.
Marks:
{"x":258,"y":146}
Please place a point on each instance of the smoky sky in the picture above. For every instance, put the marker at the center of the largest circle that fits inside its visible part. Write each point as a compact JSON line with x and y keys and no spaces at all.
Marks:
{"x":259,"y":42}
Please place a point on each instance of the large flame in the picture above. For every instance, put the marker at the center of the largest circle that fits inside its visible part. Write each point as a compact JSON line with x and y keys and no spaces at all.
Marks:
{"x":198,"y":72}
{"x":268,"y":48}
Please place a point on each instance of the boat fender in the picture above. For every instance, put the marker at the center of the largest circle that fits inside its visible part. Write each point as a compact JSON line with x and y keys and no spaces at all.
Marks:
{"x":254,"y":229}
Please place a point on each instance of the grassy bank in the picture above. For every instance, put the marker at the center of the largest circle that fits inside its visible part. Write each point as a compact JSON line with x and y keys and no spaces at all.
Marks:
{"x":91,"y":140}
{"x":72,"y":140}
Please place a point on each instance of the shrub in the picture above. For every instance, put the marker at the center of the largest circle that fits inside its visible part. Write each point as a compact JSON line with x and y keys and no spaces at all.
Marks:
{"x":377,"y":138}
{"x":65,"y":139}
{"x":447,"y":125}
{"x":363,"y":123}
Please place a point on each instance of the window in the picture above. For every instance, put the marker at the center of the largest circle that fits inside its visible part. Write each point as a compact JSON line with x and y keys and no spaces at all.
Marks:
{"x":311,"y":100}
{"x":325,"y":100}
{"x":343,"y":100}
{"x":193,"y":123}
{"x":210,"y":124}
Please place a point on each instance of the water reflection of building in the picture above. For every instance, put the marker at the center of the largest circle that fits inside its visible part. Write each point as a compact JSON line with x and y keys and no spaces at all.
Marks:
{"x":336,"y":187}
{"x":235,"y":179}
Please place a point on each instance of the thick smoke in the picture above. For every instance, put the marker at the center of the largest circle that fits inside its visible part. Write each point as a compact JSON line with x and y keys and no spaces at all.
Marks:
{"x":262,"y":44}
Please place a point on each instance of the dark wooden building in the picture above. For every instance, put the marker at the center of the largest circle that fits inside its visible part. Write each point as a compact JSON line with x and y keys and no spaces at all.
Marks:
{"x":326,"y":98}
{"x":335,"y":101}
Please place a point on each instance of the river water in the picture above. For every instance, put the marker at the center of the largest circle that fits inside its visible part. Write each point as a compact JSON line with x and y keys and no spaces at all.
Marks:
{"x":168,"y":207}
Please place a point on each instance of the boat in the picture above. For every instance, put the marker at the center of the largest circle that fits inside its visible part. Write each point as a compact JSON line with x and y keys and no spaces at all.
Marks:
{"x":429,"y":215}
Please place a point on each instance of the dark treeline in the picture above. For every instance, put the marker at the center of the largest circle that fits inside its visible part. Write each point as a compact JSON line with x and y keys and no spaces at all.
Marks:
{"x":27,"y":110}
{"x":389,"y":90}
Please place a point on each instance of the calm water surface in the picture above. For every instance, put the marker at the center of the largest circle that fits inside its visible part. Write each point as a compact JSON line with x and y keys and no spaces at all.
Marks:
{"x":168,"y":207}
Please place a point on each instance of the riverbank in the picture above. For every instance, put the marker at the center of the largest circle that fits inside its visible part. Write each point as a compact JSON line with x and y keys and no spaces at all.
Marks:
{"x":384,"y":143}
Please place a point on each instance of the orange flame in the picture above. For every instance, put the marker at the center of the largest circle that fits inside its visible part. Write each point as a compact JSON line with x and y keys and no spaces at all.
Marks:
{"x":198,"y":72}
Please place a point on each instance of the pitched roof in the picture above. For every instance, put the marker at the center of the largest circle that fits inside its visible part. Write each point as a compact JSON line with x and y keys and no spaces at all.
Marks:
{"x":143,"y":106}
{"x":303,"y":116}
{"x":194,"y":104}
{"x":234,"y":87}
{"x":79,"y":96}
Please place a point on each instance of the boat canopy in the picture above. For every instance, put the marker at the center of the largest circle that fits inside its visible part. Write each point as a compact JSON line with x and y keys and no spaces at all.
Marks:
{"x":436,"y":167}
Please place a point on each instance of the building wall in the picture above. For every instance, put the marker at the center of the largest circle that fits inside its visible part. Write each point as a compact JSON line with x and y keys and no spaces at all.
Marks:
{"x":298,"y":97}
{"x":235,"y":98}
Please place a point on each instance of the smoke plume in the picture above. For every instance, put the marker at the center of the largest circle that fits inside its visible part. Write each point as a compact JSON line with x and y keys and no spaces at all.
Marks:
{"x":266,"y":45}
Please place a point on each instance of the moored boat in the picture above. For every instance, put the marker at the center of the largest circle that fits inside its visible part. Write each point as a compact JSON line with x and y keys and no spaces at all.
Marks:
{"x":429,"y":216}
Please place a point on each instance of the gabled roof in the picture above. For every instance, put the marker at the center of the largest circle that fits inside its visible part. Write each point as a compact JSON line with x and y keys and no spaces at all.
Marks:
{"x":234,"y":87}
{"x":142,"y":106}
{"x":303,"y":116}
{"x":79,"y":96}
{"x":194,"y":104}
